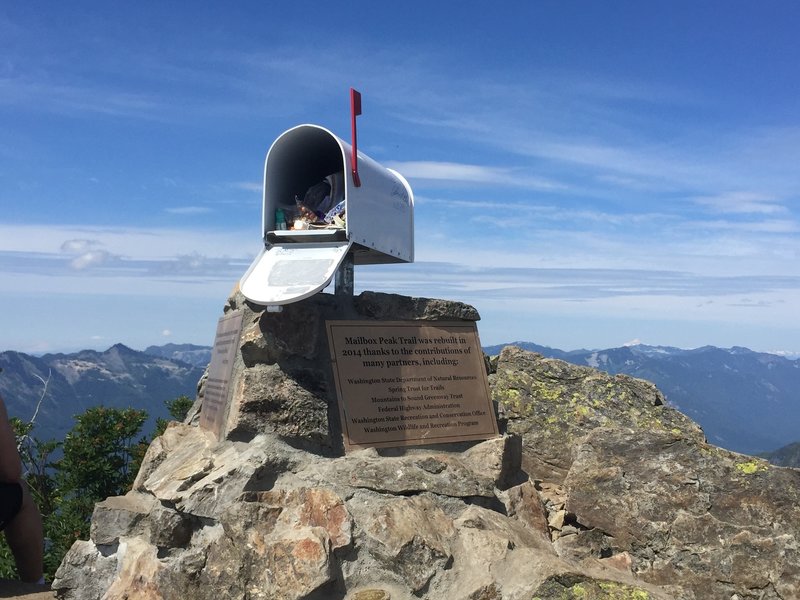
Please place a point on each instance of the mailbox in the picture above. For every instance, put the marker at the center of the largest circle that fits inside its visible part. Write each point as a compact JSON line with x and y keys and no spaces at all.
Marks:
{"x":373,"y":221}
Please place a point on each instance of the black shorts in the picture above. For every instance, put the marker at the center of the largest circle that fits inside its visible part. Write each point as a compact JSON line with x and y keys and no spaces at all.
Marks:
{"x":10,"y":502}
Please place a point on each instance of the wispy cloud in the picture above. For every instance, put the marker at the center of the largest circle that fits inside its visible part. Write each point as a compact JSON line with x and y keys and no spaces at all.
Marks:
{"x":778,"y":226}
{"x":196,"y":264}
{"x":121,"y":260}
{"x":131,"y":242}
{"x":607,"y":139}
{"x":592,"y":185}
{"x":248,"y":186}
{"x":466,"y":173}
{"x":498,"y":283}
{"x":63,"y":98}
{"x":188,"y":210}
{"x":173,"y":256}
{"x":78,"y":246}
{"x":742,"y":203}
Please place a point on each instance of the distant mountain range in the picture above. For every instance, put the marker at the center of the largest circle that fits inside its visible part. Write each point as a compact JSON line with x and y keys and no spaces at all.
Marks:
{"x":788,"y":456}
{"x":119,"y":378}
{"x":198,"y":356}
{"x":745,"y":401}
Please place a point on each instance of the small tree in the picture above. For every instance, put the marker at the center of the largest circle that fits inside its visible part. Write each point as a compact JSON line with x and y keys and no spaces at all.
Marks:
{"x":101,"y":456}
{"x":178,"y":409}
{"x":100,"y":460}
{"x":98,"y":452}
{"x":37,"y":457}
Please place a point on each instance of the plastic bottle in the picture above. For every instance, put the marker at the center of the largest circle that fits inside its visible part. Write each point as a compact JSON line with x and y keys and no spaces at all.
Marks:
{"x":280,"y":219}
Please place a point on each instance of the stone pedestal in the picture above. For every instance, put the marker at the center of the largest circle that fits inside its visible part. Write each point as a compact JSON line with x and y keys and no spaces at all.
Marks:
{"x":282,"y":379}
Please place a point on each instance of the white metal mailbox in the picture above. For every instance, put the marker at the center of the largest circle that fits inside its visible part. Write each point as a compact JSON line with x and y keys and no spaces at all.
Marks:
{"x":378,"y":225}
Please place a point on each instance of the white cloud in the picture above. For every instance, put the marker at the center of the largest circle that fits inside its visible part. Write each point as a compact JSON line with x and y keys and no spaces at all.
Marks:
{"x":86,"y":254}
{"x":93,"y":258}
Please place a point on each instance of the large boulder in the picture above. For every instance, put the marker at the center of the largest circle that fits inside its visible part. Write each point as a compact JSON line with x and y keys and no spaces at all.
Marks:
{"x":261,"y":519}
{"x":627,"y":480}
{"x":553,"y":404}
{"x":595,"y":490}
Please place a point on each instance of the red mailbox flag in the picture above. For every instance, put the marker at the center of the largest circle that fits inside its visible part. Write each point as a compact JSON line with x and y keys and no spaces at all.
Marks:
{"x":355,"y":110}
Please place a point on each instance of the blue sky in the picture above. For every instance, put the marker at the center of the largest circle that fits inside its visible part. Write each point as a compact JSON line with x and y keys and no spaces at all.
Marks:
{"x":585,"y":174}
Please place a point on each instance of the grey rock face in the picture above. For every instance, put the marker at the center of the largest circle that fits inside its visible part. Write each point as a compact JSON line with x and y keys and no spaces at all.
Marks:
{"x":596,"y":491}
{"x":624,"y":477}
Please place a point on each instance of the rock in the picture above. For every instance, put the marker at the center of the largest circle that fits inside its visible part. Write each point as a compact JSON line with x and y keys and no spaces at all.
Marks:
{"x":296,"y":565}
{"x":524,"y":504}
{"x":138,"y":577}
{"x":622,"y":561}
{"x":370,"y":595}
{"x":477,"y":472}
{"x":598,"y":490}
{"x":576,"y":587}
{"x":174,"y":461}
{"x":551,"y":404}
{"x":86,"y":572}
{"x":640,"y":488}
{"x":490,"y":550}
{"x":500,"y":458}
{"x":412,"y":536}
{"x":120,"y":516}
{"x":556,"y":519}
{"x":268,"y":400}
{"x":309,"y":508}
{"x":668,"y":502}
{"x":392,"y":307}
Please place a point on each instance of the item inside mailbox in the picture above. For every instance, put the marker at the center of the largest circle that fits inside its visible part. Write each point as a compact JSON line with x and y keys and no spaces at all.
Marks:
{"x":322,"y":206}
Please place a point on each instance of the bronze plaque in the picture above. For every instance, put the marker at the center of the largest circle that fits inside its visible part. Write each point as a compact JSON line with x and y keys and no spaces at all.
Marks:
{"x":404,"y":383}
{"x":215,"y":400}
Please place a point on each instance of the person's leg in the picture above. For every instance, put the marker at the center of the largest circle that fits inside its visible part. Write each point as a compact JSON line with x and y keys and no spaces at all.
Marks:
{"x":10,"y":501}
{"x":26,"y":539}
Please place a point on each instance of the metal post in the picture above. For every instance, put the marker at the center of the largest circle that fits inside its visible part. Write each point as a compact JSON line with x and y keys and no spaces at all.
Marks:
{"x":343,"y":280}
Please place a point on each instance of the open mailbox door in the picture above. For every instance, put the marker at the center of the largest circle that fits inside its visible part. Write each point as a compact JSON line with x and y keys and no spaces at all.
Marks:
{"x":287,"y":273}
{"x":375,"y":219}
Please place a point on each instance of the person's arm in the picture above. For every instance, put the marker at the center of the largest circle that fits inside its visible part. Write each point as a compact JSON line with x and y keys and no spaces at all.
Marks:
{"x":10,"y":465}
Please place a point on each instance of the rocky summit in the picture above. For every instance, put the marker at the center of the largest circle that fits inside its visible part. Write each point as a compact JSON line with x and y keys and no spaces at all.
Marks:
{"x":595,"y":490}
